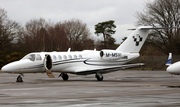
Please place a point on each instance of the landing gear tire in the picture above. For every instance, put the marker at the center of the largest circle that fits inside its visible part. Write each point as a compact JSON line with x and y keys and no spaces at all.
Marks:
{"x":65,"y":76}
{"x":19,"y":79}
{"x":99,"y":78}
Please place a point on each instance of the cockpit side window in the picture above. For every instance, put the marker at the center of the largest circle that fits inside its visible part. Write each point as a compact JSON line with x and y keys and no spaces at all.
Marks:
{"x":31,"y":57}
{"x":38,"y":57}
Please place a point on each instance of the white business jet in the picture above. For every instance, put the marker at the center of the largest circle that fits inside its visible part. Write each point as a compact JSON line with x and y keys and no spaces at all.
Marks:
{"x":173,"y":68}
{"x":83,"y":62}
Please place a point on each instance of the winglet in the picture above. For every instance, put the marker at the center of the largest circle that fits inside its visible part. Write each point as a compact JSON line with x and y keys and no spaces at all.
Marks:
{"x":169,"y":59}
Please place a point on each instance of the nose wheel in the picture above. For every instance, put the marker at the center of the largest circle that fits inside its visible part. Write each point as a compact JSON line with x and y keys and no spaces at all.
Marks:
{"x":19,"y":79}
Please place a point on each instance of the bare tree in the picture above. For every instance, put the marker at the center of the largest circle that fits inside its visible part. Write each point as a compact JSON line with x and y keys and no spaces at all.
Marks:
{"x":76,"y":32}
{"x":163,"y":13}
{"x":9,"y":30}
{"x":59,"y":40}
{"x":43,"y":36}
{"x":36,"y":35}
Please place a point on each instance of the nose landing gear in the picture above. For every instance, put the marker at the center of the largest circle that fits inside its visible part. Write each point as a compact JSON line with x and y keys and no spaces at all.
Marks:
{"x":19,"y":79}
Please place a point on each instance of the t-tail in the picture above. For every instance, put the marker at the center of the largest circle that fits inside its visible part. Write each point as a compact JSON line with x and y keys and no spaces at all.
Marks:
{"x":169,"y":59}
{"x":135,"y":41}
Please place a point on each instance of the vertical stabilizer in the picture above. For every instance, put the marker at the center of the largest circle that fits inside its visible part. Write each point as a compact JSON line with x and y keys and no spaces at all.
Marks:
{"x":169,"y":59}
{"x":135,"y":41}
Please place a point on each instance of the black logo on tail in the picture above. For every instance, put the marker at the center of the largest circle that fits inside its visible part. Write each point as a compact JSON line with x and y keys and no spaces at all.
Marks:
{"x":137,"y":39}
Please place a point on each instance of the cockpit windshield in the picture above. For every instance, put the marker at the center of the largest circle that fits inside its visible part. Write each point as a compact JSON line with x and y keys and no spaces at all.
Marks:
{"x":31,"y":57}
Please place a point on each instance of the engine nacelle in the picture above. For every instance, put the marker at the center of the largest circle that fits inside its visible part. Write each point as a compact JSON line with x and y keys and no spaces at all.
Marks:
{"x":111,"y":55}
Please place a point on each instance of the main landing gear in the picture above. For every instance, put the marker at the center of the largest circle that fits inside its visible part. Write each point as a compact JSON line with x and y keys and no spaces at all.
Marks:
{"x":19,"y":79}
{"x":99,"y":76}
{"x":64,"y":76}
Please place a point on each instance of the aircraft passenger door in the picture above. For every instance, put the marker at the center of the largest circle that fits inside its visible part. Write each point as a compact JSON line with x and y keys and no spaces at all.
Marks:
{"x":47,"y":62}
{"x":48,"y":65}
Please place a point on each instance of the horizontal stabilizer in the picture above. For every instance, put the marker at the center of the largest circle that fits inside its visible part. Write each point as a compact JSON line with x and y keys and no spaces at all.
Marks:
{"x":157,"y":28}
{"x":150,"y":27}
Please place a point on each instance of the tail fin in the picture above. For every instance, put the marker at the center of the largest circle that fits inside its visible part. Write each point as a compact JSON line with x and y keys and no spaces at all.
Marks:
{"x":135,"y":41}
{"x":169,"y":59}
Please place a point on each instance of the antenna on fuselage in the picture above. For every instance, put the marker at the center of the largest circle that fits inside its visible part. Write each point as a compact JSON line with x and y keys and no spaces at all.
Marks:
{"x":69,"y":50}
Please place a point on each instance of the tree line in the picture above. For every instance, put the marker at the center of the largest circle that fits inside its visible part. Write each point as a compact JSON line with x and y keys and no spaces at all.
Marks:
{"x":38,"y":35}
{"x":41,"y":35}
{"x":161,"y":13}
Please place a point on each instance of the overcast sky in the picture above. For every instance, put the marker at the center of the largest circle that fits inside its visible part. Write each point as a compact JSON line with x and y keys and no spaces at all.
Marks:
{"x":90,"y":12}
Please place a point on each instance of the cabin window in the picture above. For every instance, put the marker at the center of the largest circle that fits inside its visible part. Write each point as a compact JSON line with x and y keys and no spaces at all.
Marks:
{"x":80,"y":56}
{"x":59,"y":57}
{"x":70,"y":57}
{"x":38,"y":57}
{"x":75,"y":57}
{"x":64,"y":56}
{"x":54,"y":57}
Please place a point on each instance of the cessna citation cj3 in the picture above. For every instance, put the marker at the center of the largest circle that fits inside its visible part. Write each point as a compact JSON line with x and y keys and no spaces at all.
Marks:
{"x":83,"y":62}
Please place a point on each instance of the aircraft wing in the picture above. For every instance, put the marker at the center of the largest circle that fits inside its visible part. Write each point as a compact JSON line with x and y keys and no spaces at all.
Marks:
{"x":106,"y":70}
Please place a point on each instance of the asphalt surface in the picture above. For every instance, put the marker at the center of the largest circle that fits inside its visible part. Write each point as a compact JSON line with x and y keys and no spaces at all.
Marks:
{"x":126,"y":88}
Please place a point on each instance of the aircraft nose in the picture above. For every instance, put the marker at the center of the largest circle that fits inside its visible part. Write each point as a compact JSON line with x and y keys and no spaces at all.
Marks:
{"x":168,"y":69}
{"x":4,"y":69}
{"x":171,"y":69}
{"x":9,"y":68}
